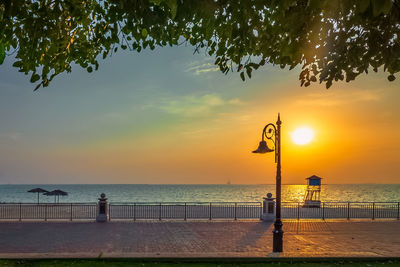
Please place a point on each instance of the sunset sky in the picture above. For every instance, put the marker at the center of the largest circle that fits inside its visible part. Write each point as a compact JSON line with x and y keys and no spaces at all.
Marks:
{"x":168,"y":116}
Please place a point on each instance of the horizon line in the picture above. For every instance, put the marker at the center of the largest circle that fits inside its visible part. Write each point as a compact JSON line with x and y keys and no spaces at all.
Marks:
{"x":185,"y":184}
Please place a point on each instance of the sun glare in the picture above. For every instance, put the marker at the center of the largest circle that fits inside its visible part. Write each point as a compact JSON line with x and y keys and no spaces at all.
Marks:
{"x":302,"y":136}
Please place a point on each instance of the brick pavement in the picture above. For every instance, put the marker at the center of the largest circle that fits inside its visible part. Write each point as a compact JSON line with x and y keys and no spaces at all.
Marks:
{"x":199,"y":239}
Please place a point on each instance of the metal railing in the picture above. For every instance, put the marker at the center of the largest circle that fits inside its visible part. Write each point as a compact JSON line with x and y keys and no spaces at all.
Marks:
{"x":132,"y":211}
{"x":197,"y":210}
{"x":185,"y":211}
{"x":342,"y":210}
{"x":60,"y":211}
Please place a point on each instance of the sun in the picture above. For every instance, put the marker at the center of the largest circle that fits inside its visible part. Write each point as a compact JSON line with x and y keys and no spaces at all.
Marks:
{"x":302,"y":136}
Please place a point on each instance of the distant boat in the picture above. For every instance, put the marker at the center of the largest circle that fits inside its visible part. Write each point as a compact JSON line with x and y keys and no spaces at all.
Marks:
{"x":229,"y":182}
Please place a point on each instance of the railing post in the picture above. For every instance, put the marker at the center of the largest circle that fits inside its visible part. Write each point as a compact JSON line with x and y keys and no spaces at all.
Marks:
{"x":210,"y":211}
{"x":185,"y":212}
{"x":235,"y":211}
{"x":20,"y":211}
{"x":398,"y":211}
{"x":323,"y":210}
{"x":298,"y":210}
{"x":159,"y":215}
{"x":71,"y":213}
{"x":45,"y":212}
{"x":134,"y":211}
{"x":373,"y":210}
{"x":109,"y":212}
{"x":348,"y":210}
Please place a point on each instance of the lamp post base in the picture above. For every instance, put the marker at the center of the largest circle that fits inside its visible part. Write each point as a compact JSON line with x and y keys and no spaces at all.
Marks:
{"x":277,"y":237}
{"x":101,"y":218}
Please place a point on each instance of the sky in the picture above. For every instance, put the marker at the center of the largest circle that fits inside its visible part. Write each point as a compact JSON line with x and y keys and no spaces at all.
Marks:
{"x":169,"y":116}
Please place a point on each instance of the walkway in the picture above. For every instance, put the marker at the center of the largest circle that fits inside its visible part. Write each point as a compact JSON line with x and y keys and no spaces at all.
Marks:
{"x":199,"y":239}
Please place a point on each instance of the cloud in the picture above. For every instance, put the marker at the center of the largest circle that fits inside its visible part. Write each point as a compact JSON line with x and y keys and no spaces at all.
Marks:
{"x":340,"y":97}
{"x":115,"y":115}
{"x":10,"y":137}
{"x":198,"y":105}
{"x":201,"y":67}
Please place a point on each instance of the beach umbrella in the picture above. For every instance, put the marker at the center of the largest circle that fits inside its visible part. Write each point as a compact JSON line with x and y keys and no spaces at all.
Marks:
{"x":56,"y":193}
{"x":37,"y":190}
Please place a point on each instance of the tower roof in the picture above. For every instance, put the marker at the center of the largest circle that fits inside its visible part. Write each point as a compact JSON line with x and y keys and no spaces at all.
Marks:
{"x":314,"y":177}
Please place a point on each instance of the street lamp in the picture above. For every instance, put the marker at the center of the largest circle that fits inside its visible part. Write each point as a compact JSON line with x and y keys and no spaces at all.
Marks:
{"x":273,"y":133}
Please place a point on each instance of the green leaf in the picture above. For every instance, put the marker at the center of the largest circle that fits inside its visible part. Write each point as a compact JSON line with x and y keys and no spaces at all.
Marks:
{"x":2,"y":53}
{"x":17,"y":64}
{"x":387,"y":6}
{"x":314,"y":4}
{"x":378,"y":6}
{"x":248,"y":71}
{"x":391,"y":78}
{"x":242,"y":76}
{"x":90,"y":69}
{"x":144,"y":33}
{"x":328,"y":84}
{"x":35,"y":77}
{"x":156,"y":2}
{"x":173,"y":5}
{"x":362,"y":5}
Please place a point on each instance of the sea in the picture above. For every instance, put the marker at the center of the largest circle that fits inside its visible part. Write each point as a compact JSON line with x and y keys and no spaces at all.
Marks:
{"x":130,"y":193}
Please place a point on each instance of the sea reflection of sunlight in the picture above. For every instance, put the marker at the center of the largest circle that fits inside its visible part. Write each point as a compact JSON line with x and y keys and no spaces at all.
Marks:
{"x":293,"y":193}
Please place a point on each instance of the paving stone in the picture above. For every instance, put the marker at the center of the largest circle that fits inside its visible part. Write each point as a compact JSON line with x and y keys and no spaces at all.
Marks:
{"x":199,"y":239}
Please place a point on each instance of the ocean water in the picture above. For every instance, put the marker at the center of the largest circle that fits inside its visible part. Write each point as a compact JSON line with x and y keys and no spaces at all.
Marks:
{"x":198,"y":193}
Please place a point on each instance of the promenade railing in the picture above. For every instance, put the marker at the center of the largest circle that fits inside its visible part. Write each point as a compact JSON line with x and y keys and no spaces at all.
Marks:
{"x":132,"y":211}
{"x":46,"y":211}
{"x":186,"y":210}
{"x":197,"y":210}
{"x":342,"y":210}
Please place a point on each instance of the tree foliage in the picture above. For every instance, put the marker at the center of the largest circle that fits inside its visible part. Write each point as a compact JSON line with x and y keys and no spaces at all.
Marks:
{"x":331,"y":39}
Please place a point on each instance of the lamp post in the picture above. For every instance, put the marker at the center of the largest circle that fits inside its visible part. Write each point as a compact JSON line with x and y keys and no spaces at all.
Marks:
{"x":272,"y":132}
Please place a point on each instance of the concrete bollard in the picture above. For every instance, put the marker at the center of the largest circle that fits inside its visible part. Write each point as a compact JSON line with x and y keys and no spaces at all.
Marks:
{"x":268,"y":213}
{"x":102,"y":209}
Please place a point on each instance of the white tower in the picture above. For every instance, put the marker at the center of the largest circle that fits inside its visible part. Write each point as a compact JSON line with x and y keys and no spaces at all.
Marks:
{"x":313,"y":191}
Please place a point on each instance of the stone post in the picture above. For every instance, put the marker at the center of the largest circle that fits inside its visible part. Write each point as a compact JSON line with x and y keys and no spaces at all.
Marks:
{"x":102,"y":209}
{"x":268,"y":213}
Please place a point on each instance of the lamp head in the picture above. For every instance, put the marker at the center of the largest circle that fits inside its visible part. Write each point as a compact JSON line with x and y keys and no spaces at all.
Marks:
{"x":263,"y":148}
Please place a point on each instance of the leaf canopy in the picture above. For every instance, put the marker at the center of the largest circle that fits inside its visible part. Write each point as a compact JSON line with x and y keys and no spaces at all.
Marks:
{"x":331,"y":39}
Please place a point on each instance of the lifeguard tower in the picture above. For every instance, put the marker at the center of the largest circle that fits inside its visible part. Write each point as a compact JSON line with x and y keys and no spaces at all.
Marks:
{"x":312,"y":199}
